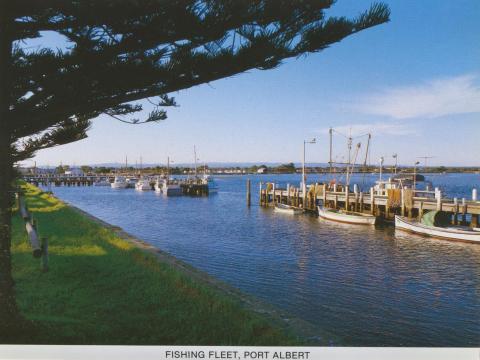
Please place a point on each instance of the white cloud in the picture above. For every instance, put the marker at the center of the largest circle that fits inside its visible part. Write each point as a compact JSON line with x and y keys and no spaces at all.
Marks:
{"x":378,"y":128}
{"x":447,"y":96}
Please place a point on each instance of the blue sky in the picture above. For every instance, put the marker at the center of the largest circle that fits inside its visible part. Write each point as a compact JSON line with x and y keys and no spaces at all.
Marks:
{"x":414,"y":83}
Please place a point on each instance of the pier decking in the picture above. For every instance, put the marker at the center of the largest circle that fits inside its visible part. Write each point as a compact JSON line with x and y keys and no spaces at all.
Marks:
{"x":189,"y":187}
{"x":375,"y":202}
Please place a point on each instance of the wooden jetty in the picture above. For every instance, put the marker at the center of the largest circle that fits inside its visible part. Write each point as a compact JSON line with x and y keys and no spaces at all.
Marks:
{"x":190,"y":187}
{"x":382,"y":203}
{"x":65,"y":180}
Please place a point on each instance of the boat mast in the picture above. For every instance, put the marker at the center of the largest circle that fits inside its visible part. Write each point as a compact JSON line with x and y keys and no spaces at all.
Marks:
{"x":349,"y":156}
{"x":195,"y":154}
{"x":331,"y":150}
{"x":366,"y":151}
{"x":304,"y":175}
{"x":381,"y":167}
{"x":357,"y":151}
{"x":168,"y":168}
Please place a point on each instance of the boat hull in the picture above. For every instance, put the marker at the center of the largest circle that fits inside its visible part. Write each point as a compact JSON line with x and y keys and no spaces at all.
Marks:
{"x":102,"y":183}
{"x":344,"y":217}
{"x":436,"y":232}
{"x":172,"y":190}
{"x":143,"y":186}
{"x":119,"y":185}
{"x":288,"y":210}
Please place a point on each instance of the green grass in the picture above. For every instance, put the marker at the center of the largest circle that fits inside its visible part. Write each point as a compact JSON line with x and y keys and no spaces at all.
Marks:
{"x":101,"y":289}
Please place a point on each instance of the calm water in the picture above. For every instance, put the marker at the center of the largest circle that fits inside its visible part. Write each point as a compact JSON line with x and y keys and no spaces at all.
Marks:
{"x":356,"y":285}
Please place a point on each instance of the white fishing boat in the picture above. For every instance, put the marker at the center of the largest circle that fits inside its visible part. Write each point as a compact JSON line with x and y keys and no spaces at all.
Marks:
{"x":119,"y":183}
{"x":403,"y":181}
{"x":158,"y":185}
{"x":143,"y":185}
{"x":459,"y":233}
{"x":131,"y":182}
{"x":287,"y":209}
{"x":171,"y":189}
{"x":167,"y":186}
{"x":350,"y":217}
{"x":210,"y":182}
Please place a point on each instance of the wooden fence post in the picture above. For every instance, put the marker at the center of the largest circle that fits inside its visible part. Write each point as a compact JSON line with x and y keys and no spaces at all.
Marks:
{"x":44,"y":254}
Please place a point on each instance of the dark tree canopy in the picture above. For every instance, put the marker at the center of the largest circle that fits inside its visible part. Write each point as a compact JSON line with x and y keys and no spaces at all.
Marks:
{"x":118,"y":52}
{"x":121,"y":51}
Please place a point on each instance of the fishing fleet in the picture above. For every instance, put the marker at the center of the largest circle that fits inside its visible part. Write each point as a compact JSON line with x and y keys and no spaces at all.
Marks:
{"x":400,"y":191}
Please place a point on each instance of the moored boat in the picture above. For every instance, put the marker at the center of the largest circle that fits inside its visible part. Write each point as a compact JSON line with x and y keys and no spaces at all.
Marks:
{"x":287,"y":209}
{"x":131,"y":182}
{"x":171,"y":189}
{"x":349,"y":217}
{"x":143,"y":185}
{"x":210,"y":182}
{"x":119,"y":183}
{"x":458,"y":233}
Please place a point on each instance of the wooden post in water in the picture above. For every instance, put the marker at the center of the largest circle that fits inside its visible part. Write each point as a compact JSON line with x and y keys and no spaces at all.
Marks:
{"x":324,"y":195}
{"x":273,"y":190}
{"x":464,"y":212}
{"x":260,"y":193}
{"x":248,"y":192}
{"x":438,"y":194}
{"x":420,"y":211}
{"x":288,"y":194}
{"x":361,"y":201}
{"x":455,"y":213}
{"x":346,"y":198}
{"x":474,"y":222}
{"x":402,"y":202}
{"x":372,"y":201}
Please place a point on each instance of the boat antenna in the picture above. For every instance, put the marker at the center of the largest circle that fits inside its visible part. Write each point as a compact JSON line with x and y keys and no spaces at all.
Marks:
{"x":195,"y":155}
{"x":168,"y":168}
{"x":425,"y":161}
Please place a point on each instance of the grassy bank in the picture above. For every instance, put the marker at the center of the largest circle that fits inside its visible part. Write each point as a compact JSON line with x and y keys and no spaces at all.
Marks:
{"x":101,"y":289}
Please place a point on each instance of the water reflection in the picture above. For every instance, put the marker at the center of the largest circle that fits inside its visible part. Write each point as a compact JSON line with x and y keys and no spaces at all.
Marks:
{"x":365,"y":285}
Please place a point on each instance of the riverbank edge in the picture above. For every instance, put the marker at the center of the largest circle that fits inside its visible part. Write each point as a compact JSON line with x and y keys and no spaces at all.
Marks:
{"x":307,"y":334}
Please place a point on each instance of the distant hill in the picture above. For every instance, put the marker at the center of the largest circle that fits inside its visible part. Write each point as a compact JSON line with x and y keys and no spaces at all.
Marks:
{"x":210,"y":164}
